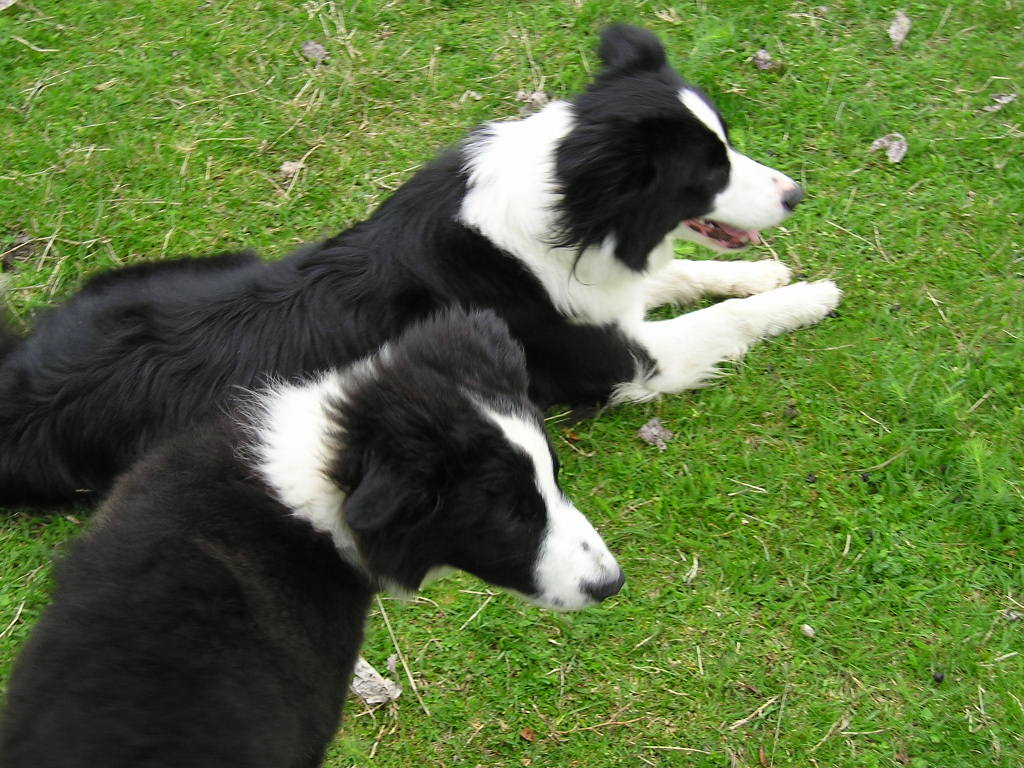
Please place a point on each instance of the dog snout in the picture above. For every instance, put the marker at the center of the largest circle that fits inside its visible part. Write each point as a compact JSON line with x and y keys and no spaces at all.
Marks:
{"x":604,"y":589}
{"x":791,"y":197}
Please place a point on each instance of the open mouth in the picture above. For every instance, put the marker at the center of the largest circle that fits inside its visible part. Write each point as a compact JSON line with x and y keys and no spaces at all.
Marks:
{"x":723,"y":234}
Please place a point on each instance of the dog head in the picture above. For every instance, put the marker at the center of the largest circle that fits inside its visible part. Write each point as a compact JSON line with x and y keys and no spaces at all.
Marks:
{"x":648,"y":157}
{"x":429,"y":456}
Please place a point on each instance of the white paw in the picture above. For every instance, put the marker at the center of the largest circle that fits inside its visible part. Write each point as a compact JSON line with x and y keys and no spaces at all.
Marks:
{"x":787,"y":308}
{"x":753,"y":277}
{"x":820,"y":297}
{"x":739,"y":278}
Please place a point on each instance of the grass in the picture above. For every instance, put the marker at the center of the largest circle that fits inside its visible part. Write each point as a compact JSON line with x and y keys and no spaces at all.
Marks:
{"x":863,"y":477}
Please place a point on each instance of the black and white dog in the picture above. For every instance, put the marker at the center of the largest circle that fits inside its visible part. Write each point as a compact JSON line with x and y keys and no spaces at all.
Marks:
{"x":563,"y":223}
{"x":213,"y":613}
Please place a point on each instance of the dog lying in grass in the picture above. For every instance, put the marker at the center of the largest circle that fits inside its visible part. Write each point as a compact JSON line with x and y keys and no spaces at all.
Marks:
{"x":563,"y":223}
{"x":213,"y":613}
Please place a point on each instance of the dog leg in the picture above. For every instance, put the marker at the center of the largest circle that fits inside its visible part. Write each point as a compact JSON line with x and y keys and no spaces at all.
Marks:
{"x":682,"y":281}
{"x":687,"y":349}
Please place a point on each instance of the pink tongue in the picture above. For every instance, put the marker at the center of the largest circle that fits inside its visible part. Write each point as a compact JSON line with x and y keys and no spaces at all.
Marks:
{"x":753,"y":235}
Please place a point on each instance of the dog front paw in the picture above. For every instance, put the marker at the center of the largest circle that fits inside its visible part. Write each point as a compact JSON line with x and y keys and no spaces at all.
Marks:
{"x":755,"y":277}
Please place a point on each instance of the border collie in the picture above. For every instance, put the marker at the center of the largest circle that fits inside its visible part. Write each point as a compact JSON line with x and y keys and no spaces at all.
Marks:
{"x":213,"y":614}
{"x":563,"y":223}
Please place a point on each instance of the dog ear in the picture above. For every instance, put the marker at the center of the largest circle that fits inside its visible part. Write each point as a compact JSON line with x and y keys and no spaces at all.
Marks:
{"x":630,"y":48}
{"x":375,"y":501}
{"x":637,"y":162}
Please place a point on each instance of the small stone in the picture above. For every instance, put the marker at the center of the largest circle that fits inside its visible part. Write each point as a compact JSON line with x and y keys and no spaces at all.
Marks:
{"x":939,"y":676}
{"x":807,"y":630}
{"x":1001,"y":100}
{"x":291,"y":167}
{"x":899,"y":28}
{"x":894,"y":144}
{"x":654,"y":432}
{"x":371,"y":687}
{"x":764,"y":61}
{"x":313,"y":51}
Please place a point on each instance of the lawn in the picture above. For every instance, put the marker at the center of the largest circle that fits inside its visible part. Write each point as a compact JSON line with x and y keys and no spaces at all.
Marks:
{"x":826,"y":564}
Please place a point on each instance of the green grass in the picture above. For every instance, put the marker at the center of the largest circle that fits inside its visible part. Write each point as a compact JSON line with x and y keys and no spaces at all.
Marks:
{"x":885,"y":445}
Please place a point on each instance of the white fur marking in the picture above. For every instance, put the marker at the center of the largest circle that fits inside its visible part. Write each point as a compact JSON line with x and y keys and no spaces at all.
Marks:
{"x":753,"y":198}
{"x":704,"y":112}
{"x":512,"y":200}
{"x":294,"y":447}
{"x":572,"y":555}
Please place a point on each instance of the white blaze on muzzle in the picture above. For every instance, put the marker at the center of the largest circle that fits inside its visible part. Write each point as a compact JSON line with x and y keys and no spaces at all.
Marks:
{"x":574,"y":567}
{"x":757,"y":196}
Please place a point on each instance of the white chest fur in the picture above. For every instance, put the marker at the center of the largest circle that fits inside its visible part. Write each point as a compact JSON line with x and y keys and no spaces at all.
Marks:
{"x":512,"y":200}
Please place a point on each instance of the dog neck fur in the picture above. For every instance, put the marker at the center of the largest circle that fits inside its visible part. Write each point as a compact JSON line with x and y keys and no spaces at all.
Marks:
{"x":512,"y":199}
{"x":296,"y":439}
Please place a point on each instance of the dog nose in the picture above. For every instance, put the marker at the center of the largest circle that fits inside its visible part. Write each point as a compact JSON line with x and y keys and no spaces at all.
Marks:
{"x":605,"y":589}
{"x":791,"y":198}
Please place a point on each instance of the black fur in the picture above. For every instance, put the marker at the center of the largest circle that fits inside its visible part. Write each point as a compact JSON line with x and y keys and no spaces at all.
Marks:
{"x":417,"y":447}
{"x":630,"y":49}
{"x":200,"y":623}
{"x":141,"y":353}
{"x":8,"y":340}
{"x":637,"y":162}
